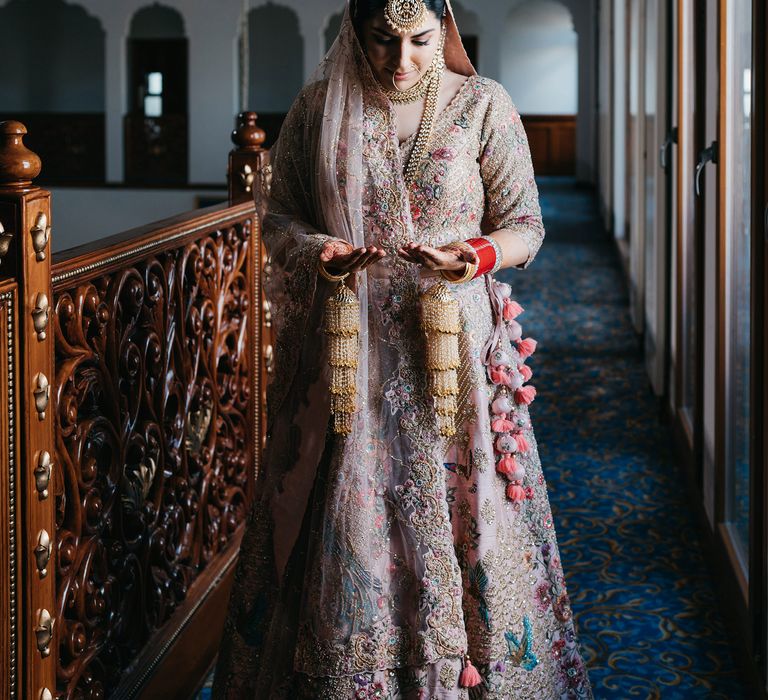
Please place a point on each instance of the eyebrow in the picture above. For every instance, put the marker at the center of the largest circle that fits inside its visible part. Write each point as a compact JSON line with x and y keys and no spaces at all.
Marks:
{"x":384,"y":32}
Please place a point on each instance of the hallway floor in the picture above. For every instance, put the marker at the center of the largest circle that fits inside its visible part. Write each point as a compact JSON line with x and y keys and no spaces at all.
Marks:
{"x":644,"y":603}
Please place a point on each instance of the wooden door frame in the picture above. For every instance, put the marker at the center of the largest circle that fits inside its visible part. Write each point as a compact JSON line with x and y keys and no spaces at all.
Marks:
{"x":745,"y":606}
{"x":688,"y":438}
{"x":758,"y":600}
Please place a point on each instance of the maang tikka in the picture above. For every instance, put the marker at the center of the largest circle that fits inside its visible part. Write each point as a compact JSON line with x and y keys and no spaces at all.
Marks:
{"x":405,"y":15}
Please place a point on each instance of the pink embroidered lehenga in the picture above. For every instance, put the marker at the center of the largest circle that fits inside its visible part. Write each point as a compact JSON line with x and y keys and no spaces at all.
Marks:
{"x":378,"y":565}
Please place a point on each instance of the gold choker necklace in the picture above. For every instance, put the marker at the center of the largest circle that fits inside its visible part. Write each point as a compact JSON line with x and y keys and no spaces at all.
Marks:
{"x":414,"y":93}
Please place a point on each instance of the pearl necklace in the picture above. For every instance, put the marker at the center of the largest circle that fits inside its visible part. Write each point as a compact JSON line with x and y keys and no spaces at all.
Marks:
{"x":425,"y":128}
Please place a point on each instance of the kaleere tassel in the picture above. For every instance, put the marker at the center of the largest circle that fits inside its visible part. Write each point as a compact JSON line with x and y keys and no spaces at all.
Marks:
{"x":441,"y":323}
{"x":342,"y":326}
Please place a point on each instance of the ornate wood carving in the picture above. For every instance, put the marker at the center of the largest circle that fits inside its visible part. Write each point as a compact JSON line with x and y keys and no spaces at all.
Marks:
{"x":128,"y":439}
{"x":9,"y":498}
{"x":154,"y":441}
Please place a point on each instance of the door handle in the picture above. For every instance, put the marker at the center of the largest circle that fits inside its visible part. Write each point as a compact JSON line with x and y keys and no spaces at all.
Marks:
{"x":708,"y":155}
{"x":665,"y":148}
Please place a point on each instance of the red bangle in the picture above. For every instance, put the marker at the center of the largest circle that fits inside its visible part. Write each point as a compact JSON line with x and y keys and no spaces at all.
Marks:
{"x":486,"y":251}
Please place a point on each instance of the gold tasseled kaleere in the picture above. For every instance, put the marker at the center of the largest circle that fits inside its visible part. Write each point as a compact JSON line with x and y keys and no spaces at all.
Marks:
{"x":441,"y":322}
{"x":342,"y":325}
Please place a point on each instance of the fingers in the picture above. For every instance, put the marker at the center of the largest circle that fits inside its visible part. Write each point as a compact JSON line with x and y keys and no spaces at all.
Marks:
{"x":373,"y":257}
{"x":429,"y":257}
{"x":351,"y":261}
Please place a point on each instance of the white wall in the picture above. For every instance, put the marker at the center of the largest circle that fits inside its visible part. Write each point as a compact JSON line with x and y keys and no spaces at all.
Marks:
{"x":213,"y":32}
{"x":112,"y":211}
{"x":540,"y":58}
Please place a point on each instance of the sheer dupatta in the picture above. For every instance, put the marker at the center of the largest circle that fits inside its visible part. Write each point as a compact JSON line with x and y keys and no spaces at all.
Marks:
{"x":319,"y":176}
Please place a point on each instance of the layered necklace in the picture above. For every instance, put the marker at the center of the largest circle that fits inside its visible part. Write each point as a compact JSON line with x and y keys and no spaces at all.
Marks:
{"x":428,"y":88}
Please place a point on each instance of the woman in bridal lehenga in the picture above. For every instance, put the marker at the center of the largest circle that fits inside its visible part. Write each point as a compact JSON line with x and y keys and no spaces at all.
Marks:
{"x":401,"y":544}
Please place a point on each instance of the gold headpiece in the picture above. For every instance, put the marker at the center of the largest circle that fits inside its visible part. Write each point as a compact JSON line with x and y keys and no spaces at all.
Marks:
{"x":405,"y":15}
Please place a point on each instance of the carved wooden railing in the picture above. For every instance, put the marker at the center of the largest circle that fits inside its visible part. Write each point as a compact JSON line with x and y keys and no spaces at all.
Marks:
{"x":131,"y":376}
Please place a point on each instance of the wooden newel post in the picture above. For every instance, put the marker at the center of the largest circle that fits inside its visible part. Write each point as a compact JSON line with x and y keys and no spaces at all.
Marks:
{"x":28,"y":481}
{"x":250,"y":179}
{"x":248,"y":161}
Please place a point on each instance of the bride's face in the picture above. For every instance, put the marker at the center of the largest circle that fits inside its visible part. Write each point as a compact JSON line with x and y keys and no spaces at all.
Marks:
{"x":398,"y":60}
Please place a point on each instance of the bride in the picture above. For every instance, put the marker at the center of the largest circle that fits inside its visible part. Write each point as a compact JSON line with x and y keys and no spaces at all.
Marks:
{"x":401,"y":543}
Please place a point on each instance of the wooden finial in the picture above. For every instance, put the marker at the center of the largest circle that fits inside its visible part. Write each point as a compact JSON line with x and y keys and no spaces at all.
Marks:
{"x":18,"y":165}
{"x":248,"y":136}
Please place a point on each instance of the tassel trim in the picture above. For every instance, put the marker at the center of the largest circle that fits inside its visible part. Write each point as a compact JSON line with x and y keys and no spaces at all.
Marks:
{"x":470,"y":677}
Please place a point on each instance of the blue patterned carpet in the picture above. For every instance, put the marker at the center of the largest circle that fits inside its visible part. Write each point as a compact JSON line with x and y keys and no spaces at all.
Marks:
{"x":643,"y":598}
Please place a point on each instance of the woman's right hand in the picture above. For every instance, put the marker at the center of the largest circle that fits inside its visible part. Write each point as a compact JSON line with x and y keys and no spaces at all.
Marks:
{"x":339,"y":257}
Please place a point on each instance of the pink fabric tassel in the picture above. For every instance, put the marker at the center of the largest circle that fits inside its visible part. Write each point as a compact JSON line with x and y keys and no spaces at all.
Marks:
{"x":469,"y":677}
{"x":522,"y":443}
{"x":502,"y":425}
{"x":526,"y":371}
{"x":507,"y":466}
{"x":526,"y":395}
{"x":526,"y":347}
{"x":500,"y":376}
{"x":511,"y":309}
{"x":515,"y":493}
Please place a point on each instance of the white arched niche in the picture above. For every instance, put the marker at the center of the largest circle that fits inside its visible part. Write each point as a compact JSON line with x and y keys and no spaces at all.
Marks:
{"x":469,"y":28}
{"x":540,"y":61}
{"x":276,"y":58}
{"x":54,"y":56}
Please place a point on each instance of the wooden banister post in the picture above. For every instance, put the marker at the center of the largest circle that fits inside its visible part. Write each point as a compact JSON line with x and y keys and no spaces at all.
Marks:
{"x":26,"y":420}
{"x":248,"y":161}
{"x":250,"y":177}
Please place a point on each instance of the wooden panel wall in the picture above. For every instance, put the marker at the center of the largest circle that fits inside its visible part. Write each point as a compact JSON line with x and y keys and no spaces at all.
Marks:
{"x":552,"y":140}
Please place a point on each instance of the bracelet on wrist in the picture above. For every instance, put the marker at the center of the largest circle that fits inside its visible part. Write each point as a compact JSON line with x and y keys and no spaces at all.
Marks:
{"x":469,"y":273}
{"x":489,"y":253}
{"x":330,"y":276}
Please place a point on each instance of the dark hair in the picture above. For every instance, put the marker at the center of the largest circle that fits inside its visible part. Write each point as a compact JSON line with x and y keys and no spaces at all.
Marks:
{"x":365,"y":9}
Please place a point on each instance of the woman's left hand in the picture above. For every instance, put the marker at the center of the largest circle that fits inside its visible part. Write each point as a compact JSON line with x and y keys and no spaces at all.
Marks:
{"x":437,"y":259}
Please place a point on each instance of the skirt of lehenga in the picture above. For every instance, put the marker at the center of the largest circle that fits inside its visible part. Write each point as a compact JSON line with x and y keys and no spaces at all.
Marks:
{"x":256,"y":658}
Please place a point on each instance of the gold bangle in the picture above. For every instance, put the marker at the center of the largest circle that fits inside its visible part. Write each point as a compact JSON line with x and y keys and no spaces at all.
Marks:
{"x":327,"y":275}
{"x":470,"y":270}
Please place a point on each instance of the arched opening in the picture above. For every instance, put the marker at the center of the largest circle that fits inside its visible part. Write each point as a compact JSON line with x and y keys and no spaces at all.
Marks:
{"x":61,"y":101}
{"x":276,"y":63}
{"x":540,"y":40}
{"x":469,"y":27}
{"x":157,"y":123}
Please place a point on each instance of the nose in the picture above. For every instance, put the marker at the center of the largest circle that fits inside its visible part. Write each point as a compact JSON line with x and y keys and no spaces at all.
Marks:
{"x":404,"y":62}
